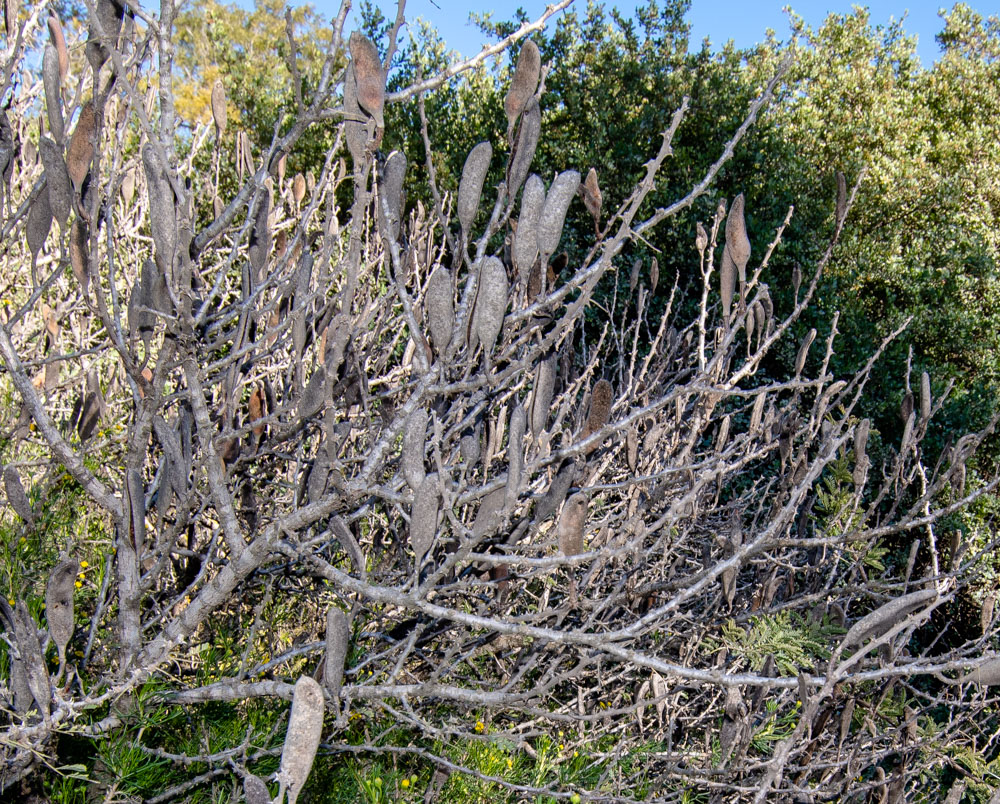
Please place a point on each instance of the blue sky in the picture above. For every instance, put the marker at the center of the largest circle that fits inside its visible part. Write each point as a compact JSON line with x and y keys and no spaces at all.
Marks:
{"x":744,"y":22}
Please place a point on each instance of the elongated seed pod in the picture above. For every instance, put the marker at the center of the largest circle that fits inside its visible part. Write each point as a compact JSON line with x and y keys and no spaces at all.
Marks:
{"x":632,"y":448}
{"x":700,"y":238}
{"x":57,"y":180}
{"x":260,"y":239}
{"x":440,"y":306}
{"x":986,"y":675}
{"x":524,"y":148}
{"x":299,"y":188}
{"x":515,"y":456}
{"x":633,"y":277}
{"x":470,"y":188}
{"x":53,"y":100}
{"x":541,"y":394}
{"x":556,"y":492}
{"x":81,"y":145}
{"x":38,"y":225}
{"x":423,"y":518}
{"x":490,"y":515}
{"x":654,"y":275}
{"x":572,"y":521}
{"x":391,"y":189}
{"x":162,"y":209}
{"x":758,"y":411}
{"x":314,"y":396}
{"x":338,"y":639}
{"x":525,"y":249}
{"x":220,"y":113}
{"x":369,"y":76}
{"x":723,"y":437}
{"x":861,"y":437}
{"x":592,"y":197}
{"x":888,"y":615}
{"x":557,"y":201}
{"x":601,"y":400}
{"x":59,"y":43}
{"x":354,"y":131}
{"x":59,"y":606}
{"x":491,"y":302}
{"x":523,"y":83}
{"x":737,"y":242}
{"x":30,"y":649}
{"x":305,"y":727}
{"x":414,"y":444}
{"x":925,"y":396}
{"x":255,"y":790}
{"x":727,"y":285}
{"x":79,"y":253}
{"x":800,"y":358}
{"x":841,"y":209}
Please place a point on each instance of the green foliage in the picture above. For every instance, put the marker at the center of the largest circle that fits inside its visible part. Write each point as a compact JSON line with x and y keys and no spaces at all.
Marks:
{"x":796,"y":644}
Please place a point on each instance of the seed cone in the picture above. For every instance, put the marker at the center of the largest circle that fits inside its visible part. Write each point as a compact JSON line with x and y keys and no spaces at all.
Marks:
{"x":423,"y":518}
{"x":414,"y":443}
{"x":354,"y":131}
{"x":491,"y":303}
{"x":524,"y":148}
{"x":57,"y":180}
{"x":220,"y":114}
{"x":925,"y":396}
{"x":571,"y":525}
{"x":737,"y":242}
{"x":260,"y":239}
{"x":338,"y":639}
{"x":727,"y":285}
{"x":523,"y":83}
{"x":53,"y":101}
{"x":557,"y":202}
{"x":26,"y":633}
{"x":38,"y":225}
{"x":82,"y":144}
{"x":600,"y":408}
{"x":541,"y":394}
{"x":305,"y":727}
{"x":515,"y":455}
{"x":440,"y":307}
{"x":59,"y":606}
{"x":592,"y":197}
{"x":470,"y":188}
{"x":525,"y":247}
{"x":369,"y":77}
{"x":800,"y":358}
{"x":391,"y":189}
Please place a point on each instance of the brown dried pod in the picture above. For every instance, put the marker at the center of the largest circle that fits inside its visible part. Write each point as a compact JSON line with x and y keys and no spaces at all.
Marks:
{"x":525,"y":247}
{"x":986,"y":612}
{"x":654,"y":275}
{"x":556,"y":492}
{"x":796,"y":280}
{"x":92,"y":409}
{"x":700,"y":239}
{"x":260,"y":239}
{"x":491,"y":303}
{"x":592,"y":197}
{"x":470,"y":188}
{"x":354,"y":131}
{"x":26,"y":633}
{"x":887,"y":616}
{"x":737,"y":242}
{"x":906,"y":407}
{"x":557,"y":201}
{"x":255,"y":790}
{"x":601,"y":400}
{"x":723,"y":436}
{"x":314,"y":396}
{"x":523,"y":83}
{"x":81,"y":145}
{"x":57,"y":180}
{"x":861,"y":437}
{"x":338,"y":640}
{"x":727,"y":285}
{"x":305,"y":727}
{"x":633,"y":277}
{"x":841,"y":210}
{"x":414,"y":445}
{"x":220,"y":112}
{"x":59,"y":43}
{"x":515,"y":456}
{"x":53,"y":98}
{"x":369,"y":76}
{"x":391,"y":190}
{"x":524,"y":149}
{"x":79,"y":253}
{"x":986,"y":675}
{"x":572,"y":522}
{"x":757,"y":412}
{"x":800,"y":358}
{"x":38,"y":225}
{"x":440,"y":308}
{"x":925,"y":396}
{"x":632,"y":448}
{"x":299,"y":188}
{"x":59,"y":606}
{"x":424,"y":517}
{"x":541,"y":394}
{"x":162,"y":209}
{"x":469,"y":446}
{"x":489,"y":516}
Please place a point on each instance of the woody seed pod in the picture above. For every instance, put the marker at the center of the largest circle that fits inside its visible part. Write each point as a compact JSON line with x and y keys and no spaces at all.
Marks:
{"x":737,"y":242}
{"x":220,"y":113}
{"x":727,"y":284}
{"x":59,"y":43}
{"x":986,"y":675}
{"x":59,"y":606}
{"x":515,"y":455}
{"x":162,"y":210}
{"x":491,"y":302}
{"x":523,"y":83}
{"x":600,"y":408}
{"x":57,"y":180}
{"x":255,"y":790}
{"x":299,"y":188}
{"x":354,"y":131}
{"x":489,"y":516}
{"x":305,"y":727}
{"x":925,"y":396}
{"x":36,"y":229}
{"x":79,"y":253}
{"x":886,"y":616}
{"x":861,"y":437}
{"x":701,"y":238}
{"x":338,"y":639}
{"x":525,"y":250}
{"x":440,"y":307}
{"x":260,"y":239}
{"x":524,"y":149}
{"x":841,"y":210}
{"x":723,"y":437}
{"x":53,"y":100}
{"x":423,"y":518}
{"x":391,"y":189}
{"x":414,"y":444}
{"x":633,"y":277}
{"x":654,"y":275}
{"x":470,"y":188}
{"x":796,"y":280}
{"x":81,"y":145}
{"x":369,"y":77}
{"x":557,"y":201}
{"x":632,"y":448}
{"x":556,"y":493}
{"x":314,"y":396}
{"x":26,"y":633}
{"x":800,"y":358}
{"x":572,"y":521}
{"x":592,"y":197}
{"x":757,"y":412}
{"x":541,"y":394}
